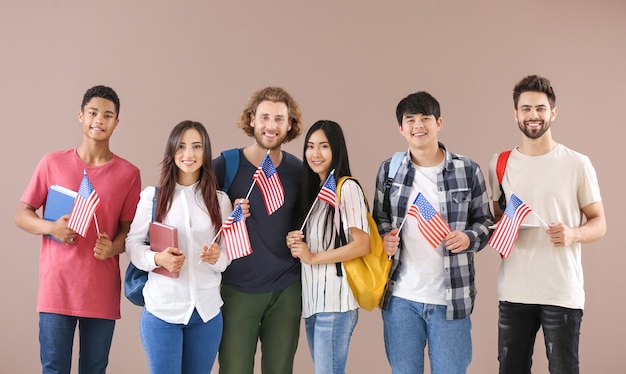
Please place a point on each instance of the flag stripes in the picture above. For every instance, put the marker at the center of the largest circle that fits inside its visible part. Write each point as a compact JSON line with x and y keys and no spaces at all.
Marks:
{"x":328,"y":193}
{"x":235,"y":235}
{"x":507,"y":229}
{"x":269,"y":184}
{"x":430,"y":222}
{"x":84,"y":208}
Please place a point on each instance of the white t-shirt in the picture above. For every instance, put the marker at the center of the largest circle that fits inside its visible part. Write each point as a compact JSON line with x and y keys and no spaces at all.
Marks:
{"x":322,"y":289}
{"x":421,"y":276}
{"x":556,"y":186}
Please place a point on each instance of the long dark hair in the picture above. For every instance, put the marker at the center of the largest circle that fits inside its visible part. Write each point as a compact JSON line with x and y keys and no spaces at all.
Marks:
{"x":169,"y":174}
{"x":311,"y":182}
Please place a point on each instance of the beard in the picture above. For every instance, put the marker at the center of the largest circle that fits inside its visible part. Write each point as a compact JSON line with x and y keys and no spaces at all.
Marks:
{"x":275,"y":143}
{"x":534,"y":133}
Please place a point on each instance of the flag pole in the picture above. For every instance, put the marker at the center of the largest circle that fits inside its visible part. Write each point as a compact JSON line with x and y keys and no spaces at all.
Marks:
{"x":308,"y":214}
{"x":213,"y":241}
{"x":542,"y":221}
{"x":314,"y":201}
{"x":96,"y":221}
{"x":400,"y":228}
{"x":401,"y":225}
{"x":254,"y":180}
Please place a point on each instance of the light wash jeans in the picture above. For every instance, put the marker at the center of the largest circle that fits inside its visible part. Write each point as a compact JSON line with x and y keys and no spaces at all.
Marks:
{"x":56,"y":338}
{"x":180,"y":349}
{"x":409,"y":326}
{"x":329,"y":336}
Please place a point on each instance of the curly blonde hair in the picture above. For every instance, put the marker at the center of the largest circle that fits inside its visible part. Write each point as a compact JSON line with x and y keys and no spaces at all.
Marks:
{"x":276,"y":95}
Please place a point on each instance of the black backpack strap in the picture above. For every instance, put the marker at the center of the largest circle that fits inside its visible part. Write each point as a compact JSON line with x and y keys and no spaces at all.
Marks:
{"x":340,"y":240}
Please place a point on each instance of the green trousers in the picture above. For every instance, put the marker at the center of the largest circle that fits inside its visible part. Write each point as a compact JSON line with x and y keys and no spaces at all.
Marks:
{"x":272,"y":317}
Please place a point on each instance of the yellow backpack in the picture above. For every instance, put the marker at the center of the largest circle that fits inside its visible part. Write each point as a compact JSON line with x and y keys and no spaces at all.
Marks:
{"x":367,"y":275}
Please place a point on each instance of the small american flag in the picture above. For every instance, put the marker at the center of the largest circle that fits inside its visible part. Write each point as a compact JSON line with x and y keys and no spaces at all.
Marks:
{"x":328,"y":192}
{"x":507,"y":228}
{"x":269,"y":184}
{"x":84,"y":208}
{"x":235,"y":235}
{"x":430,"y":222}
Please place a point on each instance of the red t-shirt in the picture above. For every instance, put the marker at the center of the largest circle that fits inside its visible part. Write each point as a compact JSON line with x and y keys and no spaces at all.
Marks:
{"x":71,"y":280}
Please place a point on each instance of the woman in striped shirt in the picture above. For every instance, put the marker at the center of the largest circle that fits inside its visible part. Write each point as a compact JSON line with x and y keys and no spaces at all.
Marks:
{"x":329,"y":308}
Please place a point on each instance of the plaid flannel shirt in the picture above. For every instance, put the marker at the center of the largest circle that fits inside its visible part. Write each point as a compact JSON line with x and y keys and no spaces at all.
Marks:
{"x":464,"y":204}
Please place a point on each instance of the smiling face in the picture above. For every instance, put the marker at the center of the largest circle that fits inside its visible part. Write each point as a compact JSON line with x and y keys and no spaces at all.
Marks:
{"x":318,"y":154}
{"x":420,"y":131}
{"x":98,"y":118}
{"x":189,"y":157}
{"x":534,"y":114}
{"x":271,"y":124}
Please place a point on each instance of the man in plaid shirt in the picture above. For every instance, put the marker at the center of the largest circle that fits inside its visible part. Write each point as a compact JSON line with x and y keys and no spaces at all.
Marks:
{"x":431,"y":291}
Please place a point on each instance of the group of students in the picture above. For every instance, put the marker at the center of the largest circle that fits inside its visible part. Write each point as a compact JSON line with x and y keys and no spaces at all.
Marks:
{"x":294,"y":270}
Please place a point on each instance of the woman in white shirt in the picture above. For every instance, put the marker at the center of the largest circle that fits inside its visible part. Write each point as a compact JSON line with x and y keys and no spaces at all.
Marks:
{"x":181,"y":324}
{"x":329,"y":308}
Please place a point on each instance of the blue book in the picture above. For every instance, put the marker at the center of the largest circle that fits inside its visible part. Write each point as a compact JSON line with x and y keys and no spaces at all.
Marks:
{"x":59,"y":202}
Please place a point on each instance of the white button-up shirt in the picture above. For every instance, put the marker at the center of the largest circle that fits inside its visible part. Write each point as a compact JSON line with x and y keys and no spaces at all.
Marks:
{"x":197,"y":287}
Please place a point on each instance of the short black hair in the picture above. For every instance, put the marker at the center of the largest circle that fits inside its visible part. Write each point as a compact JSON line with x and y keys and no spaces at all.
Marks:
{"x":103,"y":92}
{"x":420,"y":102}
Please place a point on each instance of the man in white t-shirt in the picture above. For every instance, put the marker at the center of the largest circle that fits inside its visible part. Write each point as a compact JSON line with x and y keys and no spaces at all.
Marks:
{"x":431,"y":292}
{"x":541,"y":282}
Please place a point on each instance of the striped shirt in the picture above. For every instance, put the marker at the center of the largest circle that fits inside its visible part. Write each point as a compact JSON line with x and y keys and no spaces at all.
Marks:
{"x":463,"y":203}
{"x":322,"y":289}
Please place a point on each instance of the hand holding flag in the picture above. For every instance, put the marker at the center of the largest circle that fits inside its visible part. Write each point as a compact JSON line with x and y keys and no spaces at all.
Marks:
{"x":269,"y":184}
{"x":85,"y":205}
{"x":429,"y":221}
{"x":507,"y":228}
{"x":235,"y":235}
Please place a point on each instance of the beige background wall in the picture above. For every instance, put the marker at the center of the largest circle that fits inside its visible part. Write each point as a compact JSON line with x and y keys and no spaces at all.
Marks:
{"x":350,"y":61}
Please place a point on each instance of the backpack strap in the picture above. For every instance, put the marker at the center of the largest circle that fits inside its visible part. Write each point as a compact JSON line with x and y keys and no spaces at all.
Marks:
{"x":231,"y":165}
{"x":340,"y":238}
{"x":154,"y":202}
{"x":394,"y":165}
{"x":340,"y":183}
{"x":503,"y":158}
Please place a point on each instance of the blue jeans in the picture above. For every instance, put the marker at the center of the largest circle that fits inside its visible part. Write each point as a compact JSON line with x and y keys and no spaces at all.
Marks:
{"x":176,"y":348}
{"x":56,"y":339}
{"x":409,"y":325}
{"x":517,"y":328}
{"x":329,"y":336}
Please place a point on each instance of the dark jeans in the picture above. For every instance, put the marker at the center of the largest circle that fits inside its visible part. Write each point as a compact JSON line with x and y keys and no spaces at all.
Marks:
{"x":517,"y":328}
